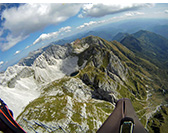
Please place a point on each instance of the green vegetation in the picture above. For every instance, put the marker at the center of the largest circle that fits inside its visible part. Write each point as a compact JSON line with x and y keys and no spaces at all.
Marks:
{"x":57,"y":104}
{"x":142,"y":76}
{"x":159,"y":122}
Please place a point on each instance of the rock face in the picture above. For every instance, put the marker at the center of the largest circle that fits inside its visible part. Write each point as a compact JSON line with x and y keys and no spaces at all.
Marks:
{"x":78,"y":84}
{"x":20,"y":81}
{"x":65,"y":106}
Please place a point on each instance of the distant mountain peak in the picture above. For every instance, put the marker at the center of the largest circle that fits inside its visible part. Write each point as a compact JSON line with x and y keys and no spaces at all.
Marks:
{"x":148,"y":45}
{"x":118,"y":37}
{"x":146,"y":33}
{"x":131,"y":43}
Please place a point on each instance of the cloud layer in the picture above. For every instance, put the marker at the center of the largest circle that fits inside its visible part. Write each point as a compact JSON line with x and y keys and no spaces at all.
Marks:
{"x":113,"y":19}
{"x":100,"y":10}
{"x":29,"y":18}
{"x":130,"y":14}
{"x":48,"y":36}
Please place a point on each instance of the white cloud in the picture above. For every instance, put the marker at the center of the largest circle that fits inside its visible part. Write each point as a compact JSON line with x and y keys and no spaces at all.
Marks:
{"x":131,"y":14}
{"x":43,"y":37}
{"x":17,"y":52}
{"x":80,"y":16}
{"x":65,"y":29}
{"x":166,"y":11}
{"x":95,"y":23}
{"x":10,"y":41}
{"x":88,"y":24}
{"x":29,"y":18}
{"x":27,"y":47}
{"x":1,"y":62}
{"x":48,"y":36}
{"x":99,"y":10}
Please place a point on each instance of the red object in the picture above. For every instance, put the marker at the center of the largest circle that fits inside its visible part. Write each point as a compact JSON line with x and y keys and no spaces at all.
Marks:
{"x":7,"y":122}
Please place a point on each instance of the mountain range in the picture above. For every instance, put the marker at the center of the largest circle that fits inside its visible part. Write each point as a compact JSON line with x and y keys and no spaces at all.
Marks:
{"x":74,"y":87}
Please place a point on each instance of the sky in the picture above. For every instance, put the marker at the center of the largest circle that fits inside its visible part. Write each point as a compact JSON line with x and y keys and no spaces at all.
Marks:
{"x":27,"y":27}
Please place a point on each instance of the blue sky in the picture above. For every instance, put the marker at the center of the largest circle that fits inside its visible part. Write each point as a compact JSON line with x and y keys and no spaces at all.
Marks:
{"x":27,"y":27}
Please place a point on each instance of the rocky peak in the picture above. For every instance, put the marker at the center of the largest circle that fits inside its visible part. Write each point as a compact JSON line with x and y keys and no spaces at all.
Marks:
{"x":58,"y":51}
{"x":93,"y":40}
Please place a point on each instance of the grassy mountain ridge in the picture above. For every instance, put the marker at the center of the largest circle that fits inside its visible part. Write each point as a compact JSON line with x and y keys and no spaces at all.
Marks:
{"x":148,"y":45}
{"x":145,"y":64}
{"x":154,"y":48}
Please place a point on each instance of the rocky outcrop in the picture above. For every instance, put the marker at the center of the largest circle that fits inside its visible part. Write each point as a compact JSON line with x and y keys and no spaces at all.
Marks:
{"x":28,"y":61}
{"x":24,"y":73}
{"x":65,"y":106}
{"x":58,"y":51}
{"x":116,"y":67}
{"x":55,"y":63}
{"x":108,"y":70}
{"x":14,"y":73}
